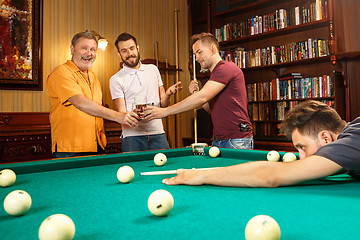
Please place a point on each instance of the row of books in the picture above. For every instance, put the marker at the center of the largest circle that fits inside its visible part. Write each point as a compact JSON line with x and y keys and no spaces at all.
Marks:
{"x":283,"y":107}
{"x":290,"y":88}
{"x":263,"y":129}
{"x":294,"y":51}
{"x":259,"y":112}
{"x":224,"y":5}
{"x":262,"y":111}
{"x":311,"y":11}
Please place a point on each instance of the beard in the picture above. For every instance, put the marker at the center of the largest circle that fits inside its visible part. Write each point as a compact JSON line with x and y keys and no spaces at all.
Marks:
{"x":89,"y":58}
{"x":205,"y":65}
{"x":131,"y":64}
{"x":83,"y":62}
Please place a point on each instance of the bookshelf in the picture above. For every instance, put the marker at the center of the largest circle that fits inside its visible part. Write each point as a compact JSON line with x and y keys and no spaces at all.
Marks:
{"x":270,"y":100}
{"x":318,"y":39}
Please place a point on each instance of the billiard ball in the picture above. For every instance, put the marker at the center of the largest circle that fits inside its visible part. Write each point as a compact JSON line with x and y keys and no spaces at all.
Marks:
{"x":214,"y":152}
{"x":160,"y":159}
{"x":17,"y":203}
{"x":273,"y":156}
{"x":262,"y":227}
{"x":7,"y":177}
{"x":289,"y":157}
{"x":160,"y":202}
{"x":57,"y":226}
{"x":125,"y":174}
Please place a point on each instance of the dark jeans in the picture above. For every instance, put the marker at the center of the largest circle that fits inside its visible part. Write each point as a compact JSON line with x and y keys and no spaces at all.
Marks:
{"x":57,"y":154}
{"x":145,"y":142}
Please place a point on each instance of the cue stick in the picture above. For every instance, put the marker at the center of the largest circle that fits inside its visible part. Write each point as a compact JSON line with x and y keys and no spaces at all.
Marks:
{"x":167,"y":172}
{"x":195,"y":113}
{"x":157,"y":53}
{"x":177,"y":120}
{"x":167,"y":85}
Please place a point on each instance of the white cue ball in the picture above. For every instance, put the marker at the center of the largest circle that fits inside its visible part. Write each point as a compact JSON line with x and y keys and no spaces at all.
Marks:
{"x":57,"y":227}
{"x":160,"y":202}
{"x":262,"y":227}
{"x":125,"y":174}
{"x":289,"y":157}
{"x":17,"y":202}
{"x":7,"y":177}
{"x":273,"y":156}
{"x":214,"y":152}
{"x":160,"y":159}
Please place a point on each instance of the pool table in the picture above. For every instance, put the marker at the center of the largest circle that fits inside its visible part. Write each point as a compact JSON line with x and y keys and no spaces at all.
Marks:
{"x":87,"y":190}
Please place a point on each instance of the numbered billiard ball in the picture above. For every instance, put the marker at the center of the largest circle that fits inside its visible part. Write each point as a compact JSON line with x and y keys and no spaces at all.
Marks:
{"x":214,"y":152}
{"x":262,"y":227}
{"x":17,"y":203}
{"x":7,"y":177}
{"x":57,"y":226}
{"x":125,"y":174}
{"x":273,"y":156}
{"x":160,"y":202}
{"x":160,"y":159}
{"x":289,"y":157}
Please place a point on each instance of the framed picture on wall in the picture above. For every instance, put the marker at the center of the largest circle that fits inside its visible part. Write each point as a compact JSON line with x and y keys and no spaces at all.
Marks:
{"x":21,"y":44}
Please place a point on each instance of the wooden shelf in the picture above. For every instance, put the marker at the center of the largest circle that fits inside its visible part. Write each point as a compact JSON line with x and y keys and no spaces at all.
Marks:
{"x":249,"y":7}
{"x":292,"y":63}
{"x":295,"y":99}
{"x":269,"y":144}
{"x":278,"y":32}
{"x":281,"y":138}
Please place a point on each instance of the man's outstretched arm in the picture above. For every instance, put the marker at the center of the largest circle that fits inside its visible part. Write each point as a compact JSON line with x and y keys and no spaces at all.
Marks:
{"x":259,"y":174}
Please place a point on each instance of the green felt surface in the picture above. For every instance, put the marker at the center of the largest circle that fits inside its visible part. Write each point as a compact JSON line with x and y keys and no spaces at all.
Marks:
{"x":87,"y":190}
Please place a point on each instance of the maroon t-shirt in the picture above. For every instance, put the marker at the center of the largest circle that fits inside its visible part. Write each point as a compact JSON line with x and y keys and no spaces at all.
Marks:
{"x":229,"y":107}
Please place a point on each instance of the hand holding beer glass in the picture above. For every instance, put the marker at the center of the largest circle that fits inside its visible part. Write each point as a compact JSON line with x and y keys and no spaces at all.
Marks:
{"x":139,"y":106}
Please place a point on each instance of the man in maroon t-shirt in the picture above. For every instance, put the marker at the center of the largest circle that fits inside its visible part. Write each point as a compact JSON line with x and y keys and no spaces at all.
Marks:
{"x":223,"y":96}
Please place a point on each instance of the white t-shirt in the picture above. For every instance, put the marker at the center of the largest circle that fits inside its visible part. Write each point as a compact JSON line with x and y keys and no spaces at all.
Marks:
{"x":134,"y":84}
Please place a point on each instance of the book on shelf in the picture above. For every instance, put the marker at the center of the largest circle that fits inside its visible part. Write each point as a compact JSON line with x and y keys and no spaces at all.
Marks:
{"x":290,"y":52}
{"x":311,"y":11}
{"x":255,"y":112}
{"x":283,"y":107}
{"x":260,"y":115}
{"x":291,"y":87}
{"x":259,"y":112}
{"x":262,"y":129}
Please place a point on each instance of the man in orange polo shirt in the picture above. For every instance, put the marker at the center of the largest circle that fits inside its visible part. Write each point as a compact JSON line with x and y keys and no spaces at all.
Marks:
{"x":76,"y":115}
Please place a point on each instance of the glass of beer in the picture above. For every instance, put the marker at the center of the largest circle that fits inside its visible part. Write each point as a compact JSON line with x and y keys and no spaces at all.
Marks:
{"x":139,"y":106}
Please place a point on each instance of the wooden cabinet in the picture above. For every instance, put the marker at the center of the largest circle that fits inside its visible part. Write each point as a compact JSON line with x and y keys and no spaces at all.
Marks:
{"x":317,"y":39}
{"x":27,"y":137}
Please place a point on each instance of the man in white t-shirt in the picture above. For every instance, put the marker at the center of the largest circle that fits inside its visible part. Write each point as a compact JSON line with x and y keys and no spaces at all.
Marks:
{"x":135,"y":84}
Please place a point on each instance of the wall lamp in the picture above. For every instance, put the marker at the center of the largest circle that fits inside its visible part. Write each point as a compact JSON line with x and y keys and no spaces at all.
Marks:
{"x":102,"y":42}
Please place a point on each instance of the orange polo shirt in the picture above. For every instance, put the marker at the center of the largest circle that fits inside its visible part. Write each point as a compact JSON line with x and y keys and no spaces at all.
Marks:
{"x":73,"y":130}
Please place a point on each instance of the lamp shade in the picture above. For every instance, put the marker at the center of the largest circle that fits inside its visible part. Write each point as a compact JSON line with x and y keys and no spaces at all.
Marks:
{"x":102,"y":43}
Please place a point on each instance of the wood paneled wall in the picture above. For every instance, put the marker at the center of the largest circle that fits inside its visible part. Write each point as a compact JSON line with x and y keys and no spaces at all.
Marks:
{"x":150,"y":21}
